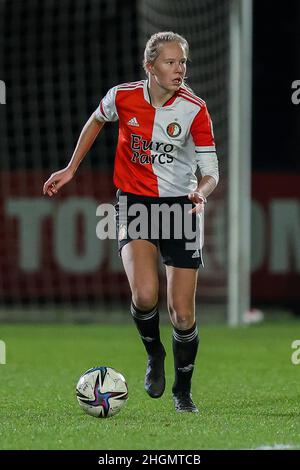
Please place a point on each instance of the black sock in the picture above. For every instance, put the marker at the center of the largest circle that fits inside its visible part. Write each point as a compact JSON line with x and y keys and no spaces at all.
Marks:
{"x":148,"y":326}
{"x":185,"y":346}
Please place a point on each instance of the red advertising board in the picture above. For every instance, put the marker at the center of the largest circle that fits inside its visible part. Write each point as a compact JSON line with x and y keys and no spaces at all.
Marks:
{"x":49,"y":248}
{"x":276,"y":237}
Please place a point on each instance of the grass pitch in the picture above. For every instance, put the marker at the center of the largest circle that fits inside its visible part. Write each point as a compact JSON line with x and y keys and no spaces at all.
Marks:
{"x":245,"y":385}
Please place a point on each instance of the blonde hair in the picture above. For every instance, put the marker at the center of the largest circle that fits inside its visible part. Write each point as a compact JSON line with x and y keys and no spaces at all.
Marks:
{"x":153,"y":46}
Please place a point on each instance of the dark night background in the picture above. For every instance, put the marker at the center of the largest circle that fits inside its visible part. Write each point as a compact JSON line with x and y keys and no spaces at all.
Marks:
{"x":58,"y":58}
{"x":276,"y":64}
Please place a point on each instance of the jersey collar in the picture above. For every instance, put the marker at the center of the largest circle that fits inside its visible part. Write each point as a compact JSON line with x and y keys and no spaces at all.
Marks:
{"x":147,"y":96}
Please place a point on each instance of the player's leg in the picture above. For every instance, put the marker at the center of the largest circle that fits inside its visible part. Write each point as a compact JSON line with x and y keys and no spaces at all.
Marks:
{"x":181,"y":288}
{"x":140,"y":260}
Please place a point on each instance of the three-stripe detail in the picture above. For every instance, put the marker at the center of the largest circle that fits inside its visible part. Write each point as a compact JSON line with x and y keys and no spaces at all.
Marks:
{"x":142,"y":316}
{"x":183,"y":338}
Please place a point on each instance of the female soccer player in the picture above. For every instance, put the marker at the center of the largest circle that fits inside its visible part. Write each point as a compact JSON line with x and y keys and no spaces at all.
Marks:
{"x":165,"y":132}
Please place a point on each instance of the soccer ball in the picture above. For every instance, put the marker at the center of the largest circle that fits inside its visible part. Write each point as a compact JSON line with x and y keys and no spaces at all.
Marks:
{"x":101,"y":392}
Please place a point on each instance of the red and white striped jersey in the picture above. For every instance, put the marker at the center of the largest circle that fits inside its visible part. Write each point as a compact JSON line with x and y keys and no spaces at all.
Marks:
{"x":158,"y":148}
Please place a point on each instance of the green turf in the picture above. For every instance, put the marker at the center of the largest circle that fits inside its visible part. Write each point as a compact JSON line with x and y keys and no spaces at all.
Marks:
{"x":246,"y":387}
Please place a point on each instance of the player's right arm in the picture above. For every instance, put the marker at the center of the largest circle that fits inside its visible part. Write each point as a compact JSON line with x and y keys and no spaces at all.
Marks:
{"x":88,"y":134}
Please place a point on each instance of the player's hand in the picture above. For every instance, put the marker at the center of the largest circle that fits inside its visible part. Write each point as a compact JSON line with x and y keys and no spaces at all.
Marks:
{"x":57,"y":180}
{"x":198,"y":199}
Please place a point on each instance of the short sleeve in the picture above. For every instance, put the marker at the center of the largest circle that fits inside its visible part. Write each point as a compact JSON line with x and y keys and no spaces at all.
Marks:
{"x":106,"y":110}
{"x":202,"y":132}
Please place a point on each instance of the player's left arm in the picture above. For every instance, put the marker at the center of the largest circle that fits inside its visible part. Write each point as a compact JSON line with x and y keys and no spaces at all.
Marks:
{"x":206,"y":156}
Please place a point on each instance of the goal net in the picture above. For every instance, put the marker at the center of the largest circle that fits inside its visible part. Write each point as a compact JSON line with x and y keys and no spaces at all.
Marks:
{"x":57,"y":60}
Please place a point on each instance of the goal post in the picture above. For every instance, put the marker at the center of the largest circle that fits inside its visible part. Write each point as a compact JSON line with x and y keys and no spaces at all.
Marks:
{"x":239,"y":161}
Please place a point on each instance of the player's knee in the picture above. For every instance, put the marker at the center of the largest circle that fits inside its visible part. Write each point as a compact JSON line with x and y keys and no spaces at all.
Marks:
{"x":183,"y":323}
{"x":145,"y":300}
{"x":182,"y":318}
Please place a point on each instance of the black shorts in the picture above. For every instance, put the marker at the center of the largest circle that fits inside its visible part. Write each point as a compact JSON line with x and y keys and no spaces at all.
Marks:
{"x":163,"y":221}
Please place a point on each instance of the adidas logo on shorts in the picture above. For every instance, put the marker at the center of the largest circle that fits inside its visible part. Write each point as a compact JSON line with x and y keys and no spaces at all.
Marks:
{"x":133,"y":122}
{"x":196,"y":254}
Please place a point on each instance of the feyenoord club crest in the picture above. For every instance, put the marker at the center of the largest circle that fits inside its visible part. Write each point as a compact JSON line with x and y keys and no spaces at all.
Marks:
{"x":173,"y":129}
